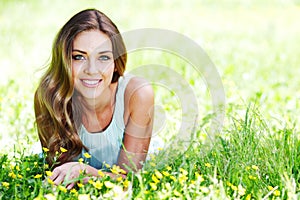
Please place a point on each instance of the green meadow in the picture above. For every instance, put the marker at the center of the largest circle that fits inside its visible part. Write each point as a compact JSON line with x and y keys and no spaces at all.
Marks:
{"x":254,"y":46}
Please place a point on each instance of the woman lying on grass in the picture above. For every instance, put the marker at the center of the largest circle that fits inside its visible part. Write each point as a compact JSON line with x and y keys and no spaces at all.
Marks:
{"x":88,"y":106}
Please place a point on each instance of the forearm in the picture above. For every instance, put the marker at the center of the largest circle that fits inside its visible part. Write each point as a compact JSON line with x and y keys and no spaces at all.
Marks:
{"x":130,"y":161}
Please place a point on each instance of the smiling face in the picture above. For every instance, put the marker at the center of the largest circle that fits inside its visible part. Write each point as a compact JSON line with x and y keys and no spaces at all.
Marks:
{"x":92,"y":63}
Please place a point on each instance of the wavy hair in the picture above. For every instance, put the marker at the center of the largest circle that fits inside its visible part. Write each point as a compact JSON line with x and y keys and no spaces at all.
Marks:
{"x":58,"y":112}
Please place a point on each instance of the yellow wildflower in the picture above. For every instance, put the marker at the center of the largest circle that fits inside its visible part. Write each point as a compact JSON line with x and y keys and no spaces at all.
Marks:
{"x":62,"y":188}
{"x":18,"y":168}
{"x":50,"y":181}
{"x":159,"y":149}
{"x":276,"y":193}
{"x":98,"y":185}
{"x":84,"y":197}
{"x":165,"y":173}
{"x":169,"y":168}
{"x":12,"y":175}
{"x":248,"y":197}
{"x":63,"y":150}
{"x":252,"y":177}
{"x":176,"y":193}
{"x":126,"y":183}
{"x":199,"y":177}
{"x":158,"y":174}
{"x":248,"y":168}
{"x":107,"y":165}
{"x":114,"y":170}
{"x":38,"y":176}
{"x":152,"y":164}
{"x":20,"y":176}
{"x":119,"y":179}
{"x":74,"y":191}
{"x":153,"y":186}
{"x":183,"y":171}
{"x":122,"y":171}
{"x":182,"y":178}
{"x":154,"y":178}
{"x":117,"y":170}
{"x":79,"y":184}
{"x":173,"y":178}
{"x":49,"y":173}
{"x":193,"y":182}
{"x":45,"y":149}
{"x":35,"y":163}
{"x":254,"y":167}
{"x":46,"y":166}
{"x":87,"y":155}
{"x":207,"y":165}
{"x":233,"y":187}
{"x":270,"y":188}
{"x":80,"y":160}
{"x":100,"y":173}
{"x":5,"y":184}
{"x":27,"y":169}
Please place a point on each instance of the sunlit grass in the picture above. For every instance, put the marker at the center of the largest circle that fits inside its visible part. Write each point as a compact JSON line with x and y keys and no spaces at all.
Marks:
{"x":254,"y":46}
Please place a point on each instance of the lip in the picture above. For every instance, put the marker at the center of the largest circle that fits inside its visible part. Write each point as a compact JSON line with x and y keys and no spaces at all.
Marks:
{"x":91,"y":83}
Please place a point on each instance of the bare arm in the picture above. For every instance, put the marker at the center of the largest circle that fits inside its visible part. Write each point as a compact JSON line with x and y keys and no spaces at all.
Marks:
{"x":138,"y":130}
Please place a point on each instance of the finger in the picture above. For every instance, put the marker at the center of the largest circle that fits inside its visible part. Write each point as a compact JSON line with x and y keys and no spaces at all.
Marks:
{"x":70,"y":186}
{"x":86,"y":179}
{"x":59,"y":179}
{"x":55,"y":173}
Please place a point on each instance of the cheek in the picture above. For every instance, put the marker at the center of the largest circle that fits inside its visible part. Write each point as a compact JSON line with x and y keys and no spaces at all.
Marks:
{"x":75,"y":70}
{"x":110,"y":68}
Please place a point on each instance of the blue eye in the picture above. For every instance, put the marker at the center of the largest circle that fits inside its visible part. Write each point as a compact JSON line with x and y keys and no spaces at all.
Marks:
{"x":104,"y":58}
{"x":78,"y":57}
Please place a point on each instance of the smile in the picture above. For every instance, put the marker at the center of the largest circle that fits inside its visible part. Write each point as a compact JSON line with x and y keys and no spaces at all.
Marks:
{"x":91,"y":82}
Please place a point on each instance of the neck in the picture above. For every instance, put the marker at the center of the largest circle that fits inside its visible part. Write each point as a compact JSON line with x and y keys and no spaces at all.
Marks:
{"x":107,"y":99}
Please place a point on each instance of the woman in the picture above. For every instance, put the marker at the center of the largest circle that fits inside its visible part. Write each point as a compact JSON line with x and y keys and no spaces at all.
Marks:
{"x":85,"y":104}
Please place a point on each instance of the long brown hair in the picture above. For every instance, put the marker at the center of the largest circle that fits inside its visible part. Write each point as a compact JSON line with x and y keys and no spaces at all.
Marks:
{"x":58,"y":113}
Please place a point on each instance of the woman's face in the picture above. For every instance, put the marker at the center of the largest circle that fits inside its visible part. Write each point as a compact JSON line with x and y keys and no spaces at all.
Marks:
{"x":92,"y":63}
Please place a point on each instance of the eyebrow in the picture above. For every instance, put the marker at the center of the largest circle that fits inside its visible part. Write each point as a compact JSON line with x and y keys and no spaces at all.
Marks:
{"x":100,"y":52}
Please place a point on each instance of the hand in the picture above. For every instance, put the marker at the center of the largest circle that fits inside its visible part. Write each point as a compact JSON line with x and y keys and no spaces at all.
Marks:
{"x":67,"y":172}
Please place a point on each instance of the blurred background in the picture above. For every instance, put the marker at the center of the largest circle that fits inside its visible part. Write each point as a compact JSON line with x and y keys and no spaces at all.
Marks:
{"x":253,"y":44}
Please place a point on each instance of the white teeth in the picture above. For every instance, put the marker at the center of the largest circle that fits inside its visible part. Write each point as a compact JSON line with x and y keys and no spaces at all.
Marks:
{"x":91,"y":82}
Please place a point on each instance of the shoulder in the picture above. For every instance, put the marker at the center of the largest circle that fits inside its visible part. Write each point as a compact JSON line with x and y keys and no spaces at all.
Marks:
{"x":139,"y":92}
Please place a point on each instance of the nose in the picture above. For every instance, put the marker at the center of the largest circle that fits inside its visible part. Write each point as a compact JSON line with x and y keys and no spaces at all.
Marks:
{"x":91,"y":67}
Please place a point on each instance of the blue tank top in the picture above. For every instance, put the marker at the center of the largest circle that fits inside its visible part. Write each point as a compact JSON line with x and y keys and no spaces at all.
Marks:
{"x":104,"y":147}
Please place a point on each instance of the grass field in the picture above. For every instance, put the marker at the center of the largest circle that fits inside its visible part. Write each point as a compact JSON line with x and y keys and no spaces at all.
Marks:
{"x":254,"y":45}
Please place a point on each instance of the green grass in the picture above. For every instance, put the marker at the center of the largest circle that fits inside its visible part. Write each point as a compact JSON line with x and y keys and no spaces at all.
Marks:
{"x":254,"y":46}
